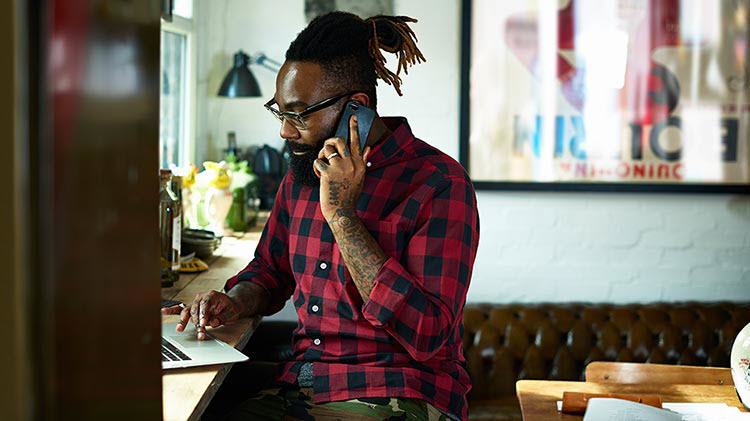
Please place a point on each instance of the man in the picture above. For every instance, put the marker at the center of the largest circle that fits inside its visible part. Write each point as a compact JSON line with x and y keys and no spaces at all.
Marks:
{"x":376,"y":246}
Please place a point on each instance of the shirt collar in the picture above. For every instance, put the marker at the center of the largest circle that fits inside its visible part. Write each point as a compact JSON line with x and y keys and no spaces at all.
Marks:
{"x":395,"y":145}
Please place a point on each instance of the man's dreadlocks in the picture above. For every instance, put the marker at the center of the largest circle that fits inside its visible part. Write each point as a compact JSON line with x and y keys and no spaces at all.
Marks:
{"x":348,"y":50}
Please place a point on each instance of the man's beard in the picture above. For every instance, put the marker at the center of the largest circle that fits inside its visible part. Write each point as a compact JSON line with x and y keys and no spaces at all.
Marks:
{"x":302,"y":165}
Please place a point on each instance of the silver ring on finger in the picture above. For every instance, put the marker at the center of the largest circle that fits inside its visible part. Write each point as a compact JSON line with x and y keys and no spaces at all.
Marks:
{"x":333,"y":155}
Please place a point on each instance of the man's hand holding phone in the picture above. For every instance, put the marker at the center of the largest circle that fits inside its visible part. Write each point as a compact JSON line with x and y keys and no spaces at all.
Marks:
{"x":341,"y":169}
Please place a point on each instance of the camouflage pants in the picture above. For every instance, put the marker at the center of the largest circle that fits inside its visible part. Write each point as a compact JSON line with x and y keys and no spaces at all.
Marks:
{"x":296,"y":404}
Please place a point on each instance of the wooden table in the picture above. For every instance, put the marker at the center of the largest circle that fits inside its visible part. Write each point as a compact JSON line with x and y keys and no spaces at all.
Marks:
{"x":538,"y":397}
{"x":186,"y":392}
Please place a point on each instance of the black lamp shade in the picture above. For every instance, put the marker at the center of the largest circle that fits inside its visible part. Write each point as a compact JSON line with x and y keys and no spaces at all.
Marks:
{"x":240,"y":82}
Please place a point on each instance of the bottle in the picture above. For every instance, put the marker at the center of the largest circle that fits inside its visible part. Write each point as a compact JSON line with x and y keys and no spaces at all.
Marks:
{"x":231,"y":146}
{"x":170,"y":228}
{"x":236,"y":217}
{"x":175,"y":184}
{"x":218,"y":198}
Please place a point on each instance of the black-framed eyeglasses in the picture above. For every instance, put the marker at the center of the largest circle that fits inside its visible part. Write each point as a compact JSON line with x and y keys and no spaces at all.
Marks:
{"x":298,"y":119}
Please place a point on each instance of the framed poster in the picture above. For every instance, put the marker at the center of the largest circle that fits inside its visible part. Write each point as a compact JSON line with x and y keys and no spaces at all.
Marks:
{"x":607,"y":95}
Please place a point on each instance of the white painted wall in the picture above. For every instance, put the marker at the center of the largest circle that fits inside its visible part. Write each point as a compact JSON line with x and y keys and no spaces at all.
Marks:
{"x":535,"y":246}
{"x":612,"y":247}
{"x":430,"y":90}
{"x":223,"y":28}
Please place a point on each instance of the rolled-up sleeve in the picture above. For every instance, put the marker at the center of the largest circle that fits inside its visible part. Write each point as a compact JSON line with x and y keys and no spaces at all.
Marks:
{"x":418,"y":299}
{"x":270,"y":266}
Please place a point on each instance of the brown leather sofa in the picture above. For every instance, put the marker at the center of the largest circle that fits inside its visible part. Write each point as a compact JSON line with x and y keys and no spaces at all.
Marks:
{"x":508,"y":342}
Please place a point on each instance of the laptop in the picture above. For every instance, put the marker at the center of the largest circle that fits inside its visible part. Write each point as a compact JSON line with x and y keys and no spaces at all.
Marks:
{"x":183,"y":349}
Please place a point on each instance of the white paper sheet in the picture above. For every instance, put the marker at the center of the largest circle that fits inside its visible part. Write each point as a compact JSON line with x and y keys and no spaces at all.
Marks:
{"x":688,"y":411}
{"x":607,"y":409}
{"x":706,"y":411}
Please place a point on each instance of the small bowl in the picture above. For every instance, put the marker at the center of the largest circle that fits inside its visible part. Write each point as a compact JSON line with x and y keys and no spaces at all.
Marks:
{"x":201,"y":242}
{"x":740,"y":363}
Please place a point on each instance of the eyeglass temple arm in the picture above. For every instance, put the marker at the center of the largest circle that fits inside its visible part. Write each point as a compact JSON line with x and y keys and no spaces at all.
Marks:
{"x":263,"y":60}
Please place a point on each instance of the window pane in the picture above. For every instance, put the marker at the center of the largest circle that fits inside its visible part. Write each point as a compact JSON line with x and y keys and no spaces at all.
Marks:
{"x":172,"y":105}
{"x":184,"y":8}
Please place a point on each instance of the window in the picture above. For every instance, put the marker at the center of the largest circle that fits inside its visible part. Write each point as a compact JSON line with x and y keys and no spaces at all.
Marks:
{"x":177,"y":93}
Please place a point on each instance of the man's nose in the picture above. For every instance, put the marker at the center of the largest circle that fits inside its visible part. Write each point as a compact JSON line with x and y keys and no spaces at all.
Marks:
{"x":288,"y":131}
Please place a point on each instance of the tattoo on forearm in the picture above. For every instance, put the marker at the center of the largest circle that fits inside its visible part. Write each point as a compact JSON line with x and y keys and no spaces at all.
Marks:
{"x":333,"y":193}
{"x":362,"y":254}
{"x":337,"y":192}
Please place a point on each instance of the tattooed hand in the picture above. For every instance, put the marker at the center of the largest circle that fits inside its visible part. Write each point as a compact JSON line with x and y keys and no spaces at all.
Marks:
{"x":341,"y":170}
{"x":211,"y":308}
{"x":341,"y":177}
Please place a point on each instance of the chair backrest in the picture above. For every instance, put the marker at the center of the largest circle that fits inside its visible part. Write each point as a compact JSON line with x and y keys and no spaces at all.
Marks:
{"x":628,"y":373}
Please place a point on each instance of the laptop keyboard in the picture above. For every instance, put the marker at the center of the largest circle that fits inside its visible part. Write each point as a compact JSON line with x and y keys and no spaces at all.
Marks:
{"x":170,"y":352}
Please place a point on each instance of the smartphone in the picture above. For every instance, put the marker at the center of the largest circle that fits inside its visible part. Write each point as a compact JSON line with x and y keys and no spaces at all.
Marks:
{"x":365,"y":117}
{"x":169,"y":303}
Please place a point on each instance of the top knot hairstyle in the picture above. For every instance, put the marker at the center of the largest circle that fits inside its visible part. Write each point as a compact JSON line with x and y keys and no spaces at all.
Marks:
{"x":348,"y":49}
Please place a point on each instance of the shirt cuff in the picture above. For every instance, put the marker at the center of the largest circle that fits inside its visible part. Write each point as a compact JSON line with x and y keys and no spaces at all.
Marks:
{"x":392,"y":285}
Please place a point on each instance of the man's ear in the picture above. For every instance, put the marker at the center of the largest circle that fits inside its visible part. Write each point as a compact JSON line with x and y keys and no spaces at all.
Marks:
{"x":362,"y":98}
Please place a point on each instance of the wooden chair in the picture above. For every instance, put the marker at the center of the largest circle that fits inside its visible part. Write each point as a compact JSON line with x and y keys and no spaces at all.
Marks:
{"x":631,"y":373}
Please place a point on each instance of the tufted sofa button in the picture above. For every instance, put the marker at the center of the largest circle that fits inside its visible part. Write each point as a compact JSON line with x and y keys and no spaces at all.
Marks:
{"x":702,"y":338}
{"x":683,"y":317}
{"x":609,"y":341}
{"x":547,"y":339}
{"x":654,"y":318}
{"x":657,"y":357}
{"x":487,"y":337}
{"x":625,"y":355}
{"x":670,"y":342}
{"x":562,"y":317}
{"x":501,"y":318}
{"x":563,"y":366}
{"x":473,"y":318}
{"x":622,"y":318}
{"x":714,"y":317}
{"x":640,"y":341}
{"x":595,"y":355}
{"x":532,"y":317}
{"x":594,"y":316}
{"x":718,"y":358}
{"x":533,"y":366}
{"x":517,"y":339}
{"x":688,"y":358}
{"x":579,"y":340}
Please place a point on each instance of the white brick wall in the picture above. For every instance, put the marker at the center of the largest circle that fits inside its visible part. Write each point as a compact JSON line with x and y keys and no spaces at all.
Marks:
{"x":542,"y":246}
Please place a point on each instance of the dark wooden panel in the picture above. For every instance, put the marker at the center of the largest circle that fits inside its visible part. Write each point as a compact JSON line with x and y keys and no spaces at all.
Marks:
{"x":97,"y":250}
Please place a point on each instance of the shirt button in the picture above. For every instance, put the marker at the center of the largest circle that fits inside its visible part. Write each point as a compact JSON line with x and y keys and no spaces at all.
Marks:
{"x":315,"y":308}
{"x":316,"y":341}
{"x":369,"y":164}
{"x":323,"y":265}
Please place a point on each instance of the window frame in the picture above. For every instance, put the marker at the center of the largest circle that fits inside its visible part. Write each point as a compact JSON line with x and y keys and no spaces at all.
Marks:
{"x":185,"y":27}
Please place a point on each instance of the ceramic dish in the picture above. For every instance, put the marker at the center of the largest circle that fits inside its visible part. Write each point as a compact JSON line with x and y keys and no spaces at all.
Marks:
{"x":201,"y":242}
{"x":740,"y":362}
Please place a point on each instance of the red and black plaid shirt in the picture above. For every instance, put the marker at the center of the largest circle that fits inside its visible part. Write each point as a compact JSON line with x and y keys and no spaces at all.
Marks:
{"x":406,"y":341}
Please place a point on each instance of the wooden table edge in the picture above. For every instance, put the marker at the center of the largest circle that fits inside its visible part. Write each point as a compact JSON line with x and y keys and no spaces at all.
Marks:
{"x":221,"y":373}
{"x":250,"y":324}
